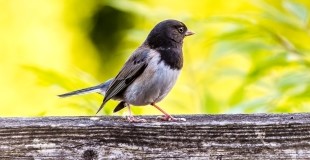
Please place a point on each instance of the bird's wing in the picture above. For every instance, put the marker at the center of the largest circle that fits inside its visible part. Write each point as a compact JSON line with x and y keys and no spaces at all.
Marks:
{"x":119,"y":107}
{"x":132,"y":69}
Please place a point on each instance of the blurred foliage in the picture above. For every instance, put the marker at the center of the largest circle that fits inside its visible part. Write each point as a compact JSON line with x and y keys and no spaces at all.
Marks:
{"x":248,"y":56}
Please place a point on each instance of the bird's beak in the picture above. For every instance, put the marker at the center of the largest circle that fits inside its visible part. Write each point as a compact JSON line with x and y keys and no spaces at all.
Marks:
{"x":188,"y":33}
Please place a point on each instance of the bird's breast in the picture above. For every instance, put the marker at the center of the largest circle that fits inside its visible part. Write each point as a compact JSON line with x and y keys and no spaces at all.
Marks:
{"x":153,"y":84}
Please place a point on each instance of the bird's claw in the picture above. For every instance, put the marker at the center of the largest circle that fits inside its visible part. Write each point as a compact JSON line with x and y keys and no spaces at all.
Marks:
{"x":132,"y":119}
{"x":170,"y":118}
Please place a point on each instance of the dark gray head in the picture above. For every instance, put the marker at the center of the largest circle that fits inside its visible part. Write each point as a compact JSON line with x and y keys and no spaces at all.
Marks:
{"x":167,"y":33}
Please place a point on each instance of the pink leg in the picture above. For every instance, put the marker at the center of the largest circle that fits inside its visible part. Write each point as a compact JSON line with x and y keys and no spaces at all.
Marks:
{"x":166,"y":116}
{"x":131,"y":118}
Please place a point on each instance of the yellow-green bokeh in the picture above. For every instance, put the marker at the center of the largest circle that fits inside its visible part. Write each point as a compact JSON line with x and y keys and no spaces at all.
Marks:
{"x":246,"y":56}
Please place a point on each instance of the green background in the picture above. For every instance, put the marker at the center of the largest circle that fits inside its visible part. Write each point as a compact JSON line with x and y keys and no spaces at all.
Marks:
{"x":247,"y":56}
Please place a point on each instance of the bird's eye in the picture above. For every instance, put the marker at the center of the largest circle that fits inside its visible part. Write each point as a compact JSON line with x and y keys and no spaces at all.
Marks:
{"x":181,"y":29}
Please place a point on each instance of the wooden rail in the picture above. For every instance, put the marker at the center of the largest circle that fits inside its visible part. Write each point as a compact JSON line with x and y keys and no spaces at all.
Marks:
{"x":238,"y":136}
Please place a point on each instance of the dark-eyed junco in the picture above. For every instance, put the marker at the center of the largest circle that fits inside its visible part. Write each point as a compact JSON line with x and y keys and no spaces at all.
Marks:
{"x":149,"y":73}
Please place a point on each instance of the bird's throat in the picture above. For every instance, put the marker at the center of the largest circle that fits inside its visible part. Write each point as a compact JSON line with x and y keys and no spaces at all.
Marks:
{"x":172,"y":57}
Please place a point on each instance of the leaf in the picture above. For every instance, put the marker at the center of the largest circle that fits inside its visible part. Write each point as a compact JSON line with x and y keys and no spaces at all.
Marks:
{"x":210,"y":104}
{"x":253,"y":105}
{"x":300,"y":11}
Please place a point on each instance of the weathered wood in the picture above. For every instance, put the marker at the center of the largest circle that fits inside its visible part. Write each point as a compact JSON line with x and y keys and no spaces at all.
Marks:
{"x":258,"y":136}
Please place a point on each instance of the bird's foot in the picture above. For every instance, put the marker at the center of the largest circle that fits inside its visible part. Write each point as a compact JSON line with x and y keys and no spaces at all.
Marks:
{"x":170,"y":118}
{"x":133,"y":119}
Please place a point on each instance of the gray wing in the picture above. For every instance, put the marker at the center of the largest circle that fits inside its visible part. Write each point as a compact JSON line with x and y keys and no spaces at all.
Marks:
{"x":132,"y":69}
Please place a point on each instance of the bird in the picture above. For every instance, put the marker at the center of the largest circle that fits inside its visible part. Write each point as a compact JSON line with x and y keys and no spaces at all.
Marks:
{"x":149,"y":73}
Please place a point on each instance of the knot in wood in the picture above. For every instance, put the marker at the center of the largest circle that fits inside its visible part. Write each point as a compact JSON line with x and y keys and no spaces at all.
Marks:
{"x":90,"y":155}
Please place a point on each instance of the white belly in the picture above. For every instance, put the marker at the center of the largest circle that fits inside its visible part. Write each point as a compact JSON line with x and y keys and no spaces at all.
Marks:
{"x":153,"y":86}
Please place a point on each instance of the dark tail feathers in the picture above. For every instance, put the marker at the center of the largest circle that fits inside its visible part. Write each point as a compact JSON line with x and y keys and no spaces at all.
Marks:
{"x":82,"y":91}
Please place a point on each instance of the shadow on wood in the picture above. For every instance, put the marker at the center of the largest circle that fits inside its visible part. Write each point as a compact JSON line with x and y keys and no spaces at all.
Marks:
{"x":258,"y":136}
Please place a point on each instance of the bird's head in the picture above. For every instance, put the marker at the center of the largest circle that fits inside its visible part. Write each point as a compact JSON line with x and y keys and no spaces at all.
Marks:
{"x":168,"y":33}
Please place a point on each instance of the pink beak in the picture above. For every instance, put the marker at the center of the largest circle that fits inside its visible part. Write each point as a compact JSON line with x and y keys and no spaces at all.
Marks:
{"x":188,"y":33}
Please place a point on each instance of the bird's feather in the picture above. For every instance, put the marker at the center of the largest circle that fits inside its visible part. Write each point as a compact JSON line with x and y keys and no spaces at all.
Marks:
{"x":132,"y":69}
{"x":82,"y":91}
{"x":119,"y":107}
{"x":101,"y":88}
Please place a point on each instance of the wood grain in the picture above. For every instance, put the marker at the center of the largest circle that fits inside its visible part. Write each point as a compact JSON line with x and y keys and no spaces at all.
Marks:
{"x":238,"y":136}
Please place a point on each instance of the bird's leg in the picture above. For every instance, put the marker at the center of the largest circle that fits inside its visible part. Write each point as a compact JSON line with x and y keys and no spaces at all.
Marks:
{"x":166,"y":117}
{"x":133,"y":119}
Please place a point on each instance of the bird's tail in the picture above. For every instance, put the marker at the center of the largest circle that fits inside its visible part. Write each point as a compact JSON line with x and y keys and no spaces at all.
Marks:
{"x":102,"y":88}
{"x":82,"y":91}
